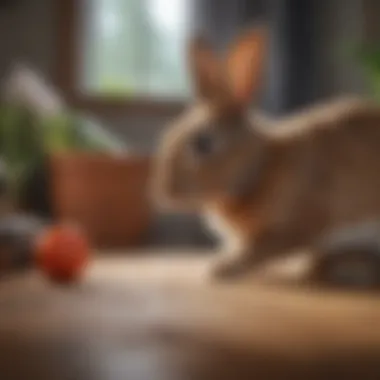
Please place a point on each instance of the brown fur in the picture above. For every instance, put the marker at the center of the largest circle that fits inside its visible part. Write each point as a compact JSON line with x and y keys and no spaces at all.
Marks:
{"x":324,"y":177}
{"x":321,"y":173}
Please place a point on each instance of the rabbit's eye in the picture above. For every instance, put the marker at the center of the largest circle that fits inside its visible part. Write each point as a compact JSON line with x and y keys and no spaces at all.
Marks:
{"x":204,"y":144}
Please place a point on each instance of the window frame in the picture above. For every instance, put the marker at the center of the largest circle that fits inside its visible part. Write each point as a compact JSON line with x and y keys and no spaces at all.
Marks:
{"x":68,"y":35}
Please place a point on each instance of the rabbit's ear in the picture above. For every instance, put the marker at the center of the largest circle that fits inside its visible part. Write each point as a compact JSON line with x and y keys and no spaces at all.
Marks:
{"x":205,"y":68}
{"x":245,"y":63}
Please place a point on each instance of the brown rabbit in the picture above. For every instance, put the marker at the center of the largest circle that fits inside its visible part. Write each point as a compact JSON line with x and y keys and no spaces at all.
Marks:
{"x":267,"y":187}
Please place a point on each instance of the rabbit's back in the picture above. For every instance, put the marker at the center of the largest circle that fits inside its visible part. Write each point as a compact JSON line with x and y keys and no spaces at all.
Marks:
{"x":328,"y":176}
{"x":347,"y":159}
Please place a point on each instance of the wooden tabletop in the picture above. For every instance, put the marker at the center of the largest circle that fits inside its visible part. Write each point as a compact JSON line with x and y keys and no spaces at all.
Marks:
{"x":157,"y":318}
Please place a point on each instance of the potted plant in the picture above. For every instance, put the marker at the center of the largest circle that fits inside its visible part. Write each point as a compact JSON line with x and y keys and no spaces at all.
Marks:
{"x":77,"y":170}
{"x":98,"y":184}
{"x":105,"y":193}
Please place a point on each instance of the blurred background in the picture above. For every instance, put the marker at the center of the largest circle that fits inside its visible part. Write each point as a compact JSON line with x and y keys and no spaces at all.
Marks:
{"x":86,"y":88}
{"x":100,"y":79}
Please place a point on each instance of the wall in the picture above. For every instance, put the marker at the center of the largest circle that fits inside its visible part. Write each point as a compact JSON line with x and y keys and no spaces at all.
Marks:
{"x":27,"y":32}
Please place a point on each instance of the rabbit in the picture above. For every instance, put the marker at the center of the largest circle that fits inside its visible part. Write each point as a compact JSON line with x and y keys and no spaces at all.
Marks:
{"x":265,"y":187}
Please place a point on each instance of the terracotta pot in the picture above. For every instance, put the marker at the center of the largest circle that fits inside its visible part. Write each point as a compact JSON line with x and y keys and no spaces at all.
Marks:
{"x":106,"y":195}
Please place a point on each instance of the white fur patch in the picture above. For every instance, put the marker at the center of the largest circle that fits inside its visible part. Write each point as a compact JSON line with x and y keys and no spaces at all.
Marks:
{"x":228,"y":236}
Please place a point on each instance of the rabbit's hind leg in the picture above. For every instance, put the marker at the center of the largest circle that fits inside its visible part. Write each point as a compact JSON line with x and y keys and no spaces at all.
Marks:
{"x":349,"y":258}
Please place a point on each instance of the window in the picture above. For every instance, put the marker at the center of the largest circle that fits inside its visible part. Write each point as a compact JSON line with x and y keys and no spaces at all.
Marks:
{"x":126,"y":49}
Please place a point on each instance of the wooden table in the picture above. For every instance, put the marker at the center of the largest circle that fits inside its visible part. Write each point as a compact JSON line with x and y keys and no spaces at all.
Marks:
{"x":157,"y":319}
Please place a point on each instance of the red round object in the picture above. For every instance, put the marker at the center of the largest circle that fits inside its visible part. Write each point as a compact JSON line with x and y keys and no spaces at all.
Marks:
{"x":62,"y":252}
